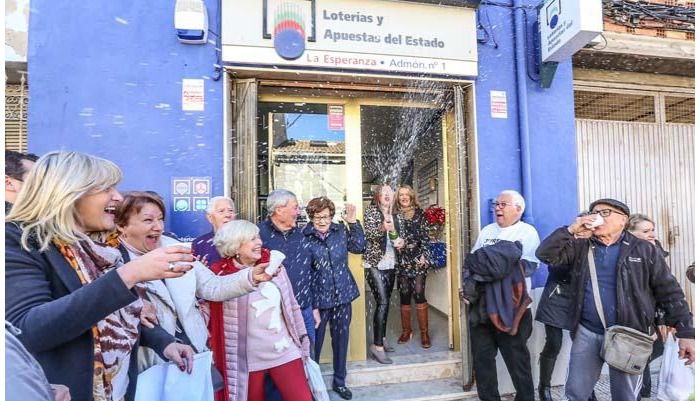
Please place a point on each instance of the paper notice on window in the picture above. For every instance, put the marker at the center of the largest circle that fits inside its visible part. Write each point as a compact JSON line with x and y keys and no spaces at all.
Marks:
{"x":192,"y":95}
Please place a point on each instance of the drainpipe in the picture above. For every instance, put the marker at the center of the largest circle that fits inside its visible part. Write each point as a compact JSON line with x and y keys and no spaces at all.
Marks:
{"x":519,"y":27}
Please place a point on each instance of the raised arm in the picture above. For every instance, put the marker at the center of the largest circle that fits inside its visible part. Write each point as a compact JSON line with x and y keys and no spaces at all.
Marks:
{"x":356,"y":238}
{"x":221,"y":288}
{"x":558,"y":248}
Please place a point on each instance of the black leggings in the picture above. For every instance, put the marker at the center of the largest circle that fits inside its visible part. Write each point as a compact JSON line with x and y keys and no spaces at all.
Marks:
{"x":381,"y":282}
{"x":412,"y":287}
{"x":552,"y":344}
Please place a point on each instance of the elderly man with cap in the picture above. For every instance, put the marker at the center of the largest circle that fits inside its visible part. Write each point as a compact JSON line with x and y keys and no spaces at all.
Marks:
{"x":632,"y":278}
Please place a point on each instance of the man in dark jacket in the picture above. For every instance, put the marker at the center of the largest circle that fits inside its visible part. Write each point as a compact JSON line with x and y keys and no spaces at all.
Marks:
{"x":632,"y":279}
{"x":280,"y":232}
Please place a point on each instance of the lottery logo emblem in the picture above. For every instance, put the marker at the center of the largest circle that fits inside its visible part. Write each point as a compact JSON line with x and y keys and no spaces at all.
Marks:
{"x":553,"y":12}
{"x":289,"y":35}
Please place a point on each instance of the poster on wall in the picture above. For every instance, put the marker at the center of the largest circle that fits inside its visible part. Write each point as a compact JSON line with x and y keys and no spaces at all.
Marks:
{"x":336,"y":117}
{"x":499,"y":104}
{"x":192,"y":95}
{"x":368,"y":35}
{"x":191,"y":194}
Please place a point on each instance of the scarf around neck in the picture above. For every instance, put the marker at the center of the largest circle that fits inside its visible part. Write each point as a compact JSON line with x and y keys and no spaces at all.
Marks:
{"x":217,"y":342}
{"x":114,"y":336}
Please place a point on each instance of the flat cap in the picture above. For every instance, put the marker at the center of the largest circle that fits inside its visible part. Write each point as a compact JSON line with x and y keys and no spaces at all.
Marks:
{"x":611,"y":202}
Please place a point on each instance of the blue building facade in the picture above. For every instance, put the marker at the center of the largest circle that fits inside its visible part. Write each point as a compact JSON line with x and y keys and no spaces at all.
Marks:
{"x":106,"y":78}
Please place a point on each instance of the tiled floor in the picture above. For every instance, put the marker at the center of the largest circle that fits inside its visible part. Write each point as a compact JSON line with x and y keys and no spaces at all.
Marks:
{"x":437,"y":324}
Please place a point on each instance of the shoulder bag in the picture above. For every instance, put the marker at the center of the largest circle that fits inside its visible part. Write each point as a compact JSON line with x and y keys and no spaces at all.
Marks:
{"x":624,"y":348}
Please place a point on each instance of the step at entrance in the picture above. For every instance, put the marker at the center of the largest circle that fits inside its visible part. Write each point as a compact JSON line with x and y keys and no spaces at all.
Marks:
{"x":432,"y":390}
{"x":406,"y":368}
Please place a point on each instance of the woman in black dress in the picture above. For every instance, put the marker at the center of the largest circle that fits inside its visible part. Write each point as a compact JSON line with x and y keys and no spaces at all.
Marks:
{"x":412,"y":263}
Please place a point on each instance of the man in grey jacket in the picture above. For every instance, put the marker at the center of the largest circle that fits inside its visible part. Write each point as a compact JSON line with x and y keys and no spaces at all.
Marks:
{"x":632,"y":279}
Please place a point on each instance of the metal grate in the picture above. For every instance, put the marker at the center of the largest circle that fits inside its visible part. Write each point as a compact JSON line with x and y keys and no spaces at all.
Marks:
{"x":16,"y":103}
{"x":614,"y":106}
{"x":680,"y":110}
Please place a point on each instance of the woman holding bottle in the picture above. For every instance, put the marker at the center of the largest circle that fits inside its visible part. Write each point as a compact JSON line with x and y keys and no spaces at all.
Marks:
{"x":380,"y":257}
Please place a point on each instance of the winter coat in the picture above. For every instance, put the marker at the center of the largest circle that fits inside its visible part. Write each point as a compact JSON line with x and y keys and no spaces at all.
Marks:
{"x":332,"y":282}
{"x":176,"y":299}
{"x":45,"y":299}
{"x":414,"y":232}
{"x":643,"y":281}
{"x":557,"y":299}
{"x":235,"y":322}
{"x":297,"y":261}
{"x":203,"y":246}
{"x":374,"y":235}
{"x":494,"y":282}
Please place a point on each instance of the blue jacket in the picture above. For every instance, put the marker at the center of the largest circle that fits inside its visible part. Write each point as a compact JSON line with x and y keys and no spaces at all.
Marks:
{"x":332,"y":282}
{"x":204,"y":246}
{"x":297,"y":261}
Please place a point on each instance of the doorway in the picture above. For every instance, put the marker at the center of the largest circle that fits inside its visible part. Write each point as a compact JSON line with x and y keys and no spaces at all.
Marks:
{"x":316,"y":140}
{"x":402,"y":145}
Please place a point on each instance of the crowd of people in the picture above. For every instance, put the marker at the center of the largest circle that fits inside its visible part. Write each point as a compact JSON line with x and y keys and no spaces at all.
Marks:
{"x":97,"y":291}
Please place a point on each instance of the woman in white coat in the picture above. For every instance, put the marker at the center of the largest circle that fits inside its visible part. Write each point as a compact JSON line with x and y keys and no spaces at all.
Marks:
{"x":140,"y":224}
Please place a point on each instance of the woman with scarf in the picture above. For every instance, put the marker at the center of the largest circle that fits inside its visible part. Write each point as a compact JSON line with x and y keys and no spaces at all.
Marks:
{"x":412,"y":268}
{"x":262,"y":333}
{"x":140,"y":224}
{"x":379,"y":260}
{"x":73,"y":299}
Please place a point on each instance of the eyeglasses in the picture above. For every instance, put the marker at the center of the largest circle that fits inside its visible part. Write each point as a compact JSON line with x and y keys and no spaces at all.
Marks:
{"x":502,"y":205}
{"x":606,"y":212}
{"x":318,"y":219}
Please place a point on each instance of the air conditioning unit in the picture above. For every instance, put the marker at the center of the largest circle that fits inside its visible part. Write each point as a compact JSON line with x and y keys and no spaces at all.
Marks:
{"x":191,"y":21}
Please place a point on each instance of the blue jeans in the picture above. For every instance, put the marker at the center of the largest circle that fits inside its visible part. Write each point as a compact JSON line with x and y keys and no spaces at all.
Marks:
{"x":585,"y":364}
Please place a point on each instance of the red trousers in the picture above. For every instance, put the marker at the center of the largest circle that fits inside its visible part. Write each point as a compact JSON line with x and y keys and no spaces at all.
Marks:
{"x":290,"y":380}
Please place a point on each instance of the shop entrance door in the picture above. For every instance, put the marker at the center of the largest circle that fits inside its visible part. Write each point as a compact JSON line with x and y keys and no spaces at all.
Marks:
{"x":340,"y":144}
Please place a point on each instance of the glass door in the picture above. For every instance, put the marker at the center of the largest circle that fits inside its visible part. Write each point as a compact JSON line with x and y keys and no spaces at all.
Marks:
{"x":311,"y":146}
{"x":341,"y":145}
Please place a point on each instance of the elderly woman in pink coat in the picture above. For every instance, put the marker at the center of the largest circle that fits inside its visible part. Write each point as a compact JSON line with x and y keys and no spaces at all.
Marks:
{"x":262,"y":333}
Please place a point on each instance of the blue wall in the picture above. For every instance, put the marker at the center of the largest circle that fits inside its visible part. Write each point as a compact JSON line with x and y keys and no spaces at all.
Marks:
{"x":552,"y":129}
{"x":106,"y":79}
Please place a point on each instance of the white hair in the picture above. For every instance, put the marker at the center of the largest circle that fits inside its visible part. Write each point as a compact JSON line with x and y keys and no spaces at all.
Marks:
{"x":518,"y":199}
{"x":232,"y":235}
{"x":278,"y":198}
{"x":214,"y":200}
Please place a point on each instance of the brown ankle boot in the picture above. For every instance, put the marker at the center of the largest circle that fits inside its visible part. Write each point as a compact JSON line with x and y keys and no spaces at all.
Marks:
{"x":406,"y":332}
{"x":422,"y":312}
